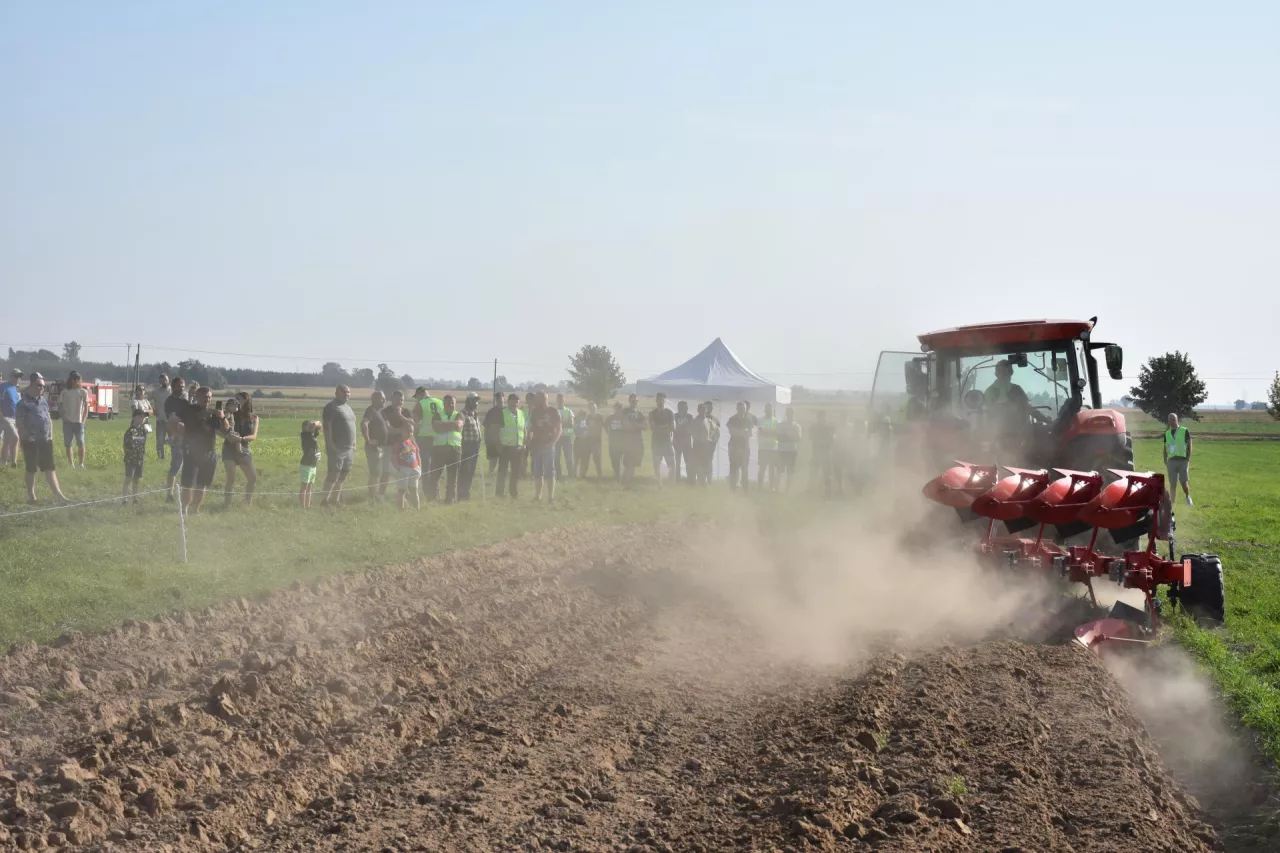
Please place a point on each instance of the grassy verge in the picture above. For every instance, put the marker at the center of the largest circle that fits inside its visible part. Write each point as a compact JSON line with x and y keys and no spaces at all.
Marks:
{"x":86,"y":568}
{"x":1237,"y":516}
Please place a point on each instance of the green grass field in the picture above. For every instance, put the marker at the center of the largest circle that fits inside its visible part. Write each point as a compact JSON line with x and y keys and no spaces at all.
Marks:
{"x":1236,"y":486}
{"x":86,"y":568}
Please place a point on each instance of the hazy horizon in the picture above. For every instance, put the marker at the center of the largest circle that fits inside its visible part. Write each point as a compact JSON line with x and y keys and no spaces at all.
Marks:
{"x":813,"y":183}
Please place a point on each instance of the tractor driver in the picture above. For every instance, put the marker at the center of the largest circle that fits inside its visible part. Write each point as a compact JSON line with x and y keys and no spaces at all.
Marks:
{"x":1006,"y":399}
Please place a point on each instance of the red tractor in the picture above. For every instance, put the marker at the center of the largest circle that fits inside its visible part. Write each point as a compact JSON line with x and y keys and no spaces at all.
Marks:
{"x":1024,"y":397}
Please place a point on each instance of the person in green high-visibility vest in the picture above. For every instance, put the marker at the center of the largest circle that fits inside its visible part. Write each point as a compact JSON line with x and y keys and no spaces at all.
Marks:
{"x":446,"y":453}
{"x":512,"y":437}
{"x":424,"y":415}
{"x":1177,"y":458}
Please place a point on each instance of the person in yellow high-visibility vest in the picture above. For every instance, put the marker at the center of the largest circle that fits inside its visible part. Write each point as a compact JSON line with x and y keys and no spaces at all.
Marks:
{"x":514,"y":424}
{"x":1177,"y":458}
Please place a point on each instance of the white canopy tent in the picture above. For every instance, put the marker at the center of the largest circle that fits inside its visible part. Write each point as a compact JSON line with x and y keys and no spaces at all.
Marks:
{"x":716,"y":374}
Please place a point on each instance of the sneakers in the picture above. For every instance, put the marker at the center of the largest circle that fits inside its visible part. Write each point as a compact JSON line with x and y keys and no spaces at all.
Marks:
{"x":1189,"y":500}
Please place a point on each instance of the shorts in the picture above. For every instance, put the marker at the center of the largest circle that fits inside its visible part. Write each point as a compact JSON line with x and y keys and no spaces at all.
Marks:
{"x":1178,"y":470}
{"x":198,"y":469}
{"x":307,"y":474}
{"x":340,"y":461}
{"x":9,"y":429}
{"x":373,"y":456}
{"x":632,"y":455}
{"x":133,"y":470}
{"x":176,"y":453}
{"x":787,"y":459}
{"x":665,"y":451}
{"x":407,"y":479}
{"x":72,"y":432}
{"x":38,"y":455}
{"x":544,"y":461}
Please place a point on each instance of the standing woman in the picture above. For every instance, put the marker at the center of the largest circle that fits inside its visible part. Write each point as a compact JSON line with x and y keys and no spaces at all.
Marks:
{"x":237,"y":453}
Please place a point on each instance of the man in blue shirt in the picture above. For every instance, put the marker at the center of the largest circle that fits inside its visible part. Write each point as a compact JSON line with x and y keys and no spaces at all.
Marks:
{"x":35,"y":432}
{"x":9,"y":396}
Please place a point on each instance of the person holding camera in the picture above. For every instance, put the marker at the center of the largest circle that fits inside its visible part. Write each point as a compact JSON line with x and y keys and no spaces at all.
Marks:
{"x":237,"y":452}
{"x":200,"y":426}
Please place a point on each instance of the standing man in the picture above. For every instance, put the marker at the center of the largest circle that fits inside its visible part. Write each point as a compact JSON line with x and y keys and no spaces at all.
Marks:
{"x":373,"y":429}
{"x":633,"y":427}
{"x":73,"y":405}
{"x":340,"y":433}
{"x":715,"y":438}
{"x":788,"y":447}
{"x":545,"y":430}
{"x":528,"y":418}
{"x":739,"y":448}
{"x":512,"y":437}
{"x":173,"y":436}
{"x":1177,"y":458}
{"x":613,"y":425}
{"x":162,"y":420}
{"x":447,"y":451}
{"x":564,"y":447}
{"x":767,"y":450}
{"x":591,"y":442}
{"x":493,"y":432}
{"x":823,"y":437}
{"x":700,"y":433}
{"x":471,"y":439}
{"x":424,"y":417}
{"x":35,"y":434}
{"x":662,"y":426}
{"x":201,"y":427}
{"x":9,"y":398}
{"x":682,"y":441}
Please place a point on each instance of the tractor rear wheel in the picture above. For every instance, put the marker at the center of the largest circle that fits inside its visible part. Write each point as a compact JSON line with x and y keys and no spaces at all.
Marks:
{"x":1206,"y":597}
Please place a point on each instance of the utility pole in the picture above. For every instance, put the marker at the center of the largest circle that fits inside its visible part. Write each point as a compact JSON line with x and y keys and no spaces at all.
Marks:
{"x":495,"y":377}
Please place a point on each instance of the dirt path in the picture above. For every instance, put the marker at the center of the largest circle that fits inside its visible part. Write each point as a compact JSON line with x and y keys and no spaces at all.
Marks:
{"x":566,"y":691}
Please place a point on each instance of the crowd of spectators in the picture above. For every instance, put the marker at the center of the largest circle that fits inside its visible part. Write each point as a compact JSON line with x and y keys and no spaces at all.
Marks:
{"x":416,"y":444}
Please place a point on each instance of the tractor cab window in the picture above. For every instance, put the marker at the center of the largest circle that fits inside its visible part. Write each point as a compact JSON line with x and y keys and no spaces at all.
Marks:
{"x":1044,"y":378}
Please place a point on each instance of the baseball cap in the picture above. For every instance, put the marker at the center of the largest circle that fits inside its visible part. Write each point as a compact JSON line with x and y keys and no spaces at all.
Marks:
{"x":472,"y":395}
{"x":35,"y":374}
{"x":16,"y":373}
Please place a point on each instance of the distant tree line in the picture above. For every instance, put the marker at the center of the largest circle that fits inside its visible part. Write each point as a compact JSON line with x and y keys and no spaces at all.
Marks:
{"x":55,"y":366}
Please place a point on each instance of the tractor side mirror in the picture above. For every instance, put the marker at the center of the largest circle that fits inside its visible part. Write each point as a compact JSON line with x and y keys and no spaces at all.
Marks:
{"x":1115,"y":360}
{"x":1018,"y":359}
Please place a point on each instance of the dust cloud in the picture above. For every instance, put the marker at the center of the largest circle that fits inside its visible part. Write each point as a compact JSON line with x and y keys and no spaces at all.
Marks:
{"x":1180,"y":707}
{"x":840,"y":585}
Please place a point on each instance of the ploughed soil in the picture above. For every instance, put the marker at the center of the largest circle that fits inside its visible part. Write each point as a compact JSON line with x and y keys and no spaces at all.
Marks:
{"x":569,"y":690}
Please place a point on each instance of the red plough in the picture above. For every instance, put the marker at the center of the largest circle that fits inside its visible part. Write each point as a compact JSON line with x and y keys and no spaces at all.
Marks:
{"x":1131,"y":505}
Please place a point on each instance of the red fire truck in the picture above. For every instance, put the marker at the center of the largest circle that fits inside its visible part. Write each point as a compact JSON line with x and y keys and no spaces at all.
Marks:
{"x":102,"y":397}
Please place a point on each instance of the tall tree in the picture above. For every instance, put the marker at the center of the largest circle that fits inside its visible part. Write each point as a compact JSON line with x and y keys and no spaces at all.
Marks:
{"x":71,"y":352}
{"x":594,"y":374}
{"x":333,"y":374}
{"x":1241,"y":405}
{"x":362,"y":377}
{"x":387,"y":382}
{"x":1273,"y":394}
{"x":1168,"y":384}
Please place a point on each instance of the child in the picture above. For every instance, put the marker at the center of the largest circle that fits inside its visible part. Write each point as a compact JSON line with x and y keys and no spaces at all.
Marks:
{"x":310,"y":461}
{"x":405,"y":457}
{"x":135,"y":451}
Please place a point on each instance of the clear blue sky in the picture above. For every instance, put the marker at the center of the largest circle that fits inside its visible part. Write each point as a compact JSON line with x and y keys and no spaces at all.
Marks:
{"x":814,"y":182}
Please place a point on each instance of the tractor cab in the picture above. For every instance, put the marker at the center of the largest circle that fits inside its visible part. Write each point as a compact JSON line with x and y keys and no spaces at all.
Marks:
{"x":1021,"y":393}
